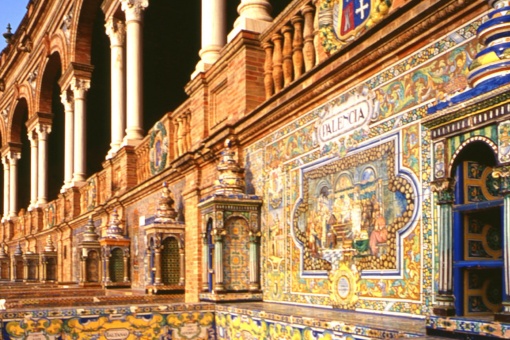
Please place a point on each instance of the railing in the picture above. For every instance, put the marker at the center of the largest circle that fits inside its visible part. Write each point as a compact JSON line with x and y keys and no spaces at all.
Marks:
{"x":181,"y":127}
{"x":289,"y":46}
{"x":143,"y":170}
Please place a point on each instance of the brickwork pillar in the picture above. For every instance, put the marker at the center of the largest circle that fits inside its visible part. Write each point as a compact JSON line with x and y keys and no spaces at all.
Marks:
{"x":193,"y":244}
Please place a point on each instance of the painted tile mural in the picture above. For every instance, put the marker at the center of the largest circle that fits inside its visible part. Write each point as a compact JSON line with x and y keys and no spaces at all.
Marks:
{"x":172,"y":322}
{"x":348,"y":212}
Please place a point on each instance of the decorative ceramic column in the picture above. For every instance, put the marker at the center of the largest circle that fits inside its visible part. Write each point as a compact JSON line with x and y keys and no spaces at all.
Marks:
{"x":32,"y":137}
{"x":503,"y":173}
{"x":106,"y":260}
{"x":205,"y":262}
{"x":43,"y":131}
{"x":7,"y":187}
{"x":254,"y":16}
{"x":491,"y":62}
{"x":13,"y":178}
{"x":83,"y":265}
{"x":80,"y":88}
{"x":444,"y":298}
{"x":254,"y":260}
{"x":68,"y":102}
{"x":116,"y":30}
{"x":182,"y":261}
{"x":218,"y":260}
{"x":214,"y":23}
{"x":157,"y":262}
{"x":126,"y":264}
{"x":134,"y":66}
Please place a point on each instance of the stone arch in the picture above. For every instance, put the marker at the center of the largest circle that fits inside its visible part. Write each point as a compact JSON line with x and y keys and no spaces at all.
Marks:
{"x":91,"y":46}
{"x":18,"y":137}
{"x":57,"y":44}
{"x":469,"y":142}
{"x":52,"y":70}
{"x":19,"y":110}
{"x":85,"y":13}
{"x":49,"y":105}
{"x":25,"y":92}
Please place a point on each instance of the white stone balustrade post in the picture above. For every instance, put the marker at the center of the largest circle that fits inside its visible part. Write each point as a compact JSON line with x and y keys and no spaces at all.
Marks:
{"x":134,"y":67}
{"x":34,"y":154}
{"x":43,"y":131}
{"x":13,"y":179}
{"x":68,"y":102}
{"x":214,"y":28}
{"x":254,"y":16}
{"x":80,"y":88}
{"x":116,"y":30}
{"x":5,"y":162}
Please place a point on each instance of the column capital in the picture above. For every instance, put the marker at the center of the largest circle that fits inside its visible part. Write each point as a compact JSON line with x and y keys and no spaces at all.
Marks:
{"x":134,"y":9}
{"x":32,"y":137}
{"x":80,"y":86}
{"x":13,"y":156}
{"x":116,"y":30}
{"x":445,"y":190}
{"x":67,"y":99}
{"x":43,"y":130}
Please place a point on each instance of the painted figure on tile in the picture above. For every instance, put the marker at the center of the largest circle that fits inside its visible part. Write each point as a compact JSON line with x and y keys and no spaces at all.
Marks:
{"x":439,"y":163}
{"x":411,"y":147}
{"x":504,"y":141}
{"x":379,"y":234}
{"x":275,"y":233}
{"x":275,"y":188}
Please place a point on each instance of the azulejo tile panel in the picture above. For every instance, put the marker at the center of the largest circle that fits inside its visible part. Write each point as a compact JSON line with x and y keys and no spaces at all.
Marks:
{"x":348,"y":219}
{"x":174,"y":322}
{"x":272,"y":321}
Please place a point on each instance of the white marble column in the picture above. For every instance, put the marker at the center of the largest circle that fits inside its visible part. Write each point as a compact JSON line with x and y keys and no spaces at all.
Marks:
{"x":116,"y":30}
{"x":254,"y":16}
{"x":13,"y":179}
{"x":43,"y":131}
{"x":80,"y":88}
{"x":68,"y":102}
{"x":134,"y":67}
{"x":34,"y":147}
{"x":214,"y":23}
{"x":5,"y":162}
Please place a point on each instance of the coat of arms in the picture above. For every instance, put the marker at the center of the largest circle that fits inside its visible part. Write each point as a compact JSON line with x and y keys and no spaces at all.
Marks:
{"x":342,"y":21}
